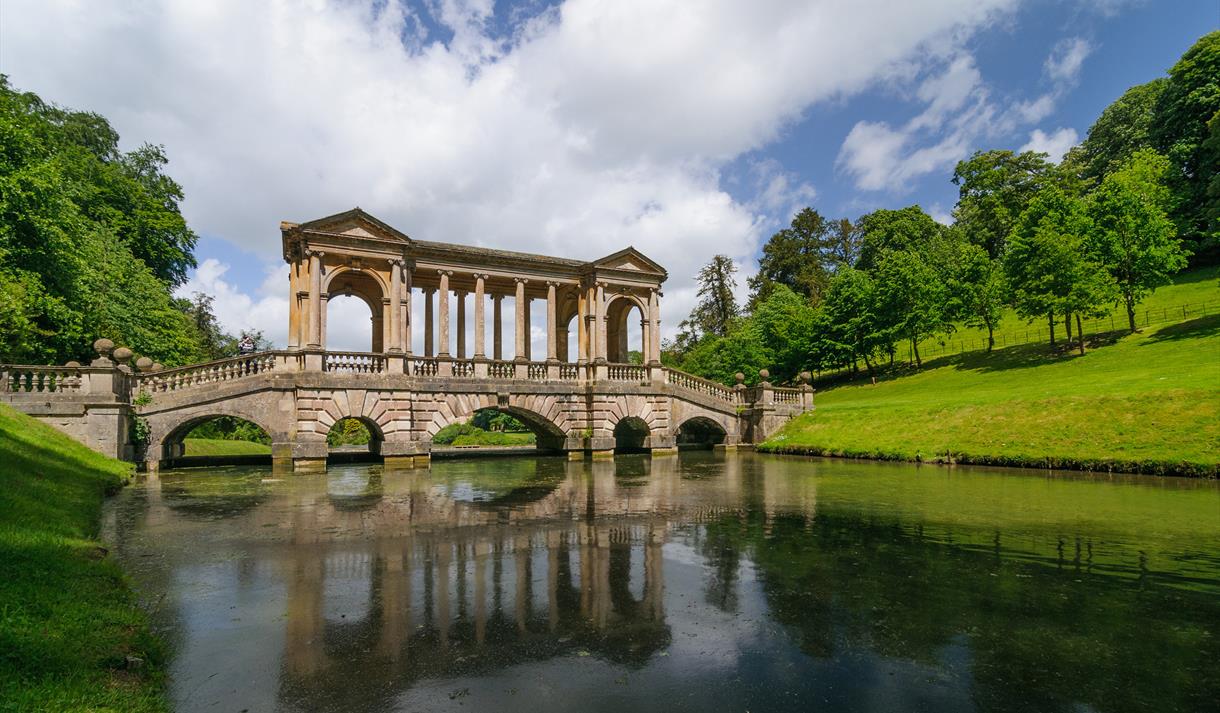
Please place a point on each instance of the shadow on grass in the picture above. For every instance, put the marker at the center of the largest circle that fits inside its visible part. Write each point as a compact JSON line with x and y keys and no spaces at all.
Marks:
{"x":1208,"y":326}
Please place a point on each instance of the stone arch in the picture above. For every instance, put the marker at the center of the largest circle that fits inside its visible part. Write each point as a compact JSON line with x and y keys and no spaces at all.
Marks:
{"x":618,"y":310}
{"x":631,"y":435}
{"x":169,"y":429}
{"x":369,"y":287}
{"x":376,"y":410}
{"x":544,"y":414}
{"x":567,"y":340}
{"x":701,"y":431}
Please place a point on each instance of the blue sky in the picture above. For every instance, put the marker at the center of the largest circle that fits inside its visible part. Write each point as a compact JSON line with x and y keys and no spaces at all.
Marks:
{"x":576,"y":128}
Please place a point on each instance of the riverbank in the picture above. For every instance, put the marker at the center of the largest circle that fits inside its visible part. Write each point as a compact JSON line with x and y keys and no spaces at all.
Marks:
{"x":72,"y":636}
{"x":1139,"y":403}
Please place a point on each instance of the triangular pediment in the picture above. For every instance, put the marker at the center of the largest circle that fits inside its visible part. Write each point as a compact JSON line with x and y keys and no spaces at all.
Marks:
{"x":357,"y":224}
{"x":631,"y":260}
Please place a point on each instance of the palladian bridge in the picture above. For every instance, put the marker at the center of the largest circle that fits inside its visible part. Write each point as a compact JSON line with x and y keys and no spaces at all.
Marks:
{"x":583,"y":396}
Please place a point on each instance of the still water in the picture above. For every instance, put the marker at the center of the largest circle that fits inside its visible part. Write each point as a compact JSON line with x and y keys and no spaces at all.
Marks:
{"x":699,"y":582}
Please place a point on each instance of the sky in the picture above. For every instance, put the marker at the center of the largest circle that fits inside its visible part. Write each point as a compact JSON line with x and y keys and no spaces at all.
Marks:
{"x":574,"y":128}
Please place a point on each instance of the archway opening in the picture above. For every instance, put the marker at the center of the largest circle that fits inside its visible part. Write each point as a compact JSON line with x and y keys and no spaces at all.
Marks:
{"x":353,"y":440}
{"x":354,"y":314}
{"x":700,"y":432}
{"x":631,"y":435}
{"x":498,"y":430}
{"x":624,"y":332}
{"x":217,"y":440}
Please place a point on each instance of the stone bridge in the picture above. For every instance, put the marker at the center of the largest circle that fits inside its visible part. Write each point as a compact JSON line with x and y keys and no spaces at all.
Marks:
{"x":404,"y":401}
{"x":594,"y":390}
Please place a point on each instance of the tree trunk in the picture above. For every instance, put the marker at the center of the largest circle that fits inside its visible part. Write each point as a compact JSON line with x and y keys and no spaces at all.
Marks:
{"x":1067,"y":327}
{"x":990,"y":337}
{"x":869,"y":365}
{"x":1131,"y":311}
{"x":1080,"y":333}
{"x":915,"y":348}
{"x":1050,"y":320}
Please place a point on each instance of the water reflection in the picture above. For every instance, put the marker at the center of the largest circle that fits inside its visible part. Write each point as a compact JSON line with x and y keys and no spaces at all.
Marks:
{"x":678,"y":583}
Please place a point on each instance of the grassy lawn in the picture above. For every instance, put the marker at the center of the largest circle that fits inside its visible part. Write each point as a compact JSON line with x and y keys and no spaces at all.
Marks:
{"x":71,"y":634}
{"x":495,"y":438}
{"x":224,"y":447}
{"x":1148,"y":402}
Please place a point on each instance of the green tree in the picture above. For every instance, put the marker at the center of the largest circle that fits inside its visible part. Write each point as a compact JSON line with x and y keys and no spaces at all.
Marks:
{"x":850,"y":322}
{"x":994,"y":188}
{"x":719,"y":358}
{"x":977,"y":290}
{"x":785,"y":323}
{"x":908,"y":229}
{"x":717,"y":306}
{"x":1047,"y":264}
{"x":1211,"y":167}
{"x":1132,"y":236}
{"x":911,"y":298}
{"x":805,"y":255}
{"x":1190,"y":99}
{"x":1123,"y":128}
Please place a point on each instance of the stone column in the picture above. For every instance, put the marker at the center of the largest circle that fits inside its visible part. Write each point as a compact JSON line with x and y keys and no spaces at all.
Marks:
{"x":323,"y":308}
{"x":395,"y":306}
{"x":461,"y":324}
{"x":582,"y":326}
{"x":428,"y":340}
{"x":315,"y":299}
{"x":480,"y":328}
{"x":529,"y":342}
{"x":497,"y":327}
{"x":552,"y":326}
{"x":519,"y":332}
{"x":442,"y":306}
{"x":654,"y":324}
{"x":406,"y":312}
{"x":600,"y":323}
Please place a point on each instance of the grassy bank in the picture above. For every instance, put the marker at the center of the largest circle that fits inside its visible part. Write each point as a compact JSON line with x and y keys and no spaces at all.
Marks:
{"x":1147,"y":402}
{"x":224,"y":447}
{"x":71,"y":634}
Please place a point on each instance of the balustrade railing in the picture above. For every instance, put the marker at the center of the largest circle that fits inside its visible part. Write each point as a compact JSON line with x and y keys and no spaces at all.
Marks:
{"x":463,"y":368}
{"x":700,"y":385}
{"x":626,"y":372}
{"x":213,"y":372}
{"x":569,"y":372}
{"x":786,"y":395}
{"x":354,"y":362}
{"x":535,"y":371}
{"x":42,"y":379}
{"x":425,"y":366}
{"x":501,"y":370}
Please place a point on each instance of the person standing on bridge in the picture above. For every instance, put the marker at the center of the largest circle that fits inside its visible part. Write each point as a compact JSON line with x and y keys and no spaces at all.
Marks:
{"x":246,"y":345}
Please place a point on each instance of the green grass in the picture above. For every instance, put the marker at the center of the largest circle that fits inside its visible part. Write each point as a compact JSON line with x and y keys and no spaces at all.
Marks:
{"x":495,"y":438}
{"x":224,"y":447}
{"x":1197,"y":290}
{"x":1148,"y":402}
{"x":68,"y":619}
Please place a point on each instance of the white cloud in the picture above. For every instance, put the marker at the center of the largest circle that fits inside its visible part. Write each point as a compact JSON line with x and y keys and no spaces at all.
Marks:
{"x":1064,"y":63}
{"x":959,"y":111}
{"x":1054,"y":144}
{"x":575,"y":132}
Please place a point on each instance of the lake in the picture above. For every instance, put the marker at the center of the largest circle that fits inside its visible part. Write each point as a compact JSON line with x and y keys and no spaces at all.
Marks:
{"x":701,"y":582}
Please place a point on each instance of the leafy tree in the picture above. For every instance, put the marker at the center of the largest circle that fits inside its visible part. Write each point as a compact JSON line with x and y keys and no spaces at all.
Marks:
{"x":910,"y":297}
{"x":805,"y":255}
{"x":977,"y":290}
{"x":785,"y":323}
{"x":1211,"y":167}
{"x":851,"y":324}
{"x":1180,"y":128}
{"x":214,"y":343}
{"x":1123,"y":128}
{"x":994,"y":188}
{"x":717,"y":306}
{"x":1047,"y":264}
{"x":1132,"y":236}
{"x":908,"y":229}
{"x":719,"y":358}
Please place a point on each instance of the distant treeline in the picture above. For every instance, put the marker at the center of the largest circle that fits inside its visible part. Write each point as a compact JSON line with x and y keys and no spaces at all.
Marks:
{"x":1123,"y":212}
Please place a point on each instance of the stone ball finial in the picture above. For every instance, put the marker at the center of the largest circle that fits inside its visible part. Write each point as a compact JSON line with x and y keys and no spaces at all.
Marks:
{"x":806,"y":377}
{"x":764,"y":374}
{"x":144,"y":363}
{"x":103,"y":346}
{"x":740,"y":377}
{"x":123,"y":354}
{"x":73,"y":364}
{"x":156,"y":366}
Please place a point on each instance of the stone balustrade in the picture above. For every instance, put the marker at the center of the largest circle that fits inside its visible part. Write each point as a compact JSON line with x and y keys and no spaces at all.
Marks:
{"x":354,"y":362}
{"x":42,"y":379}
{"x":209,"y":373}
{"x":700,"y":385}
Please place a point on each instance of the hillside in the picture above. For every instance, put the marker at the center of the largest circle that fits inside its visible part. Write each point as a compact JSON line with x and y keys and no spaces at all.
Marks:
{"x":71,"y":634}
{"x":1146,"y":402}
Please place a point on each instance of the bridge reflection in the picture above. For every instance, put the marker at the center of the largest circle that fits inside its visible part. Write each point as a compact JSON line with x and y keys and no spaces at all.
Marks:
{"x":389,"y":578}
